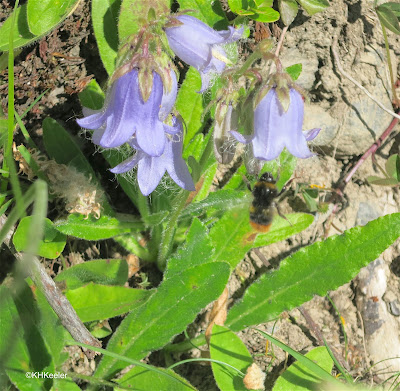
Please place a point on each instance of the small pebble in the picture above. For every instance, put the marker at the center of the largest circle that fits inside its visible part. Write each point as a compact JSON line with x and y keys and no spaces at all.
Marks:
{"x":394,"y":308}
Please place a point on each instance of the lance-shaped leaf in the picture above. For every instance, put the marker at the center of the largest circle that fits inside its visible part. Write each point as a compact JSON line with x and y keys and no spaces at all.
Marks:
{"x":192,"y":280}
{"x":314,"y":270}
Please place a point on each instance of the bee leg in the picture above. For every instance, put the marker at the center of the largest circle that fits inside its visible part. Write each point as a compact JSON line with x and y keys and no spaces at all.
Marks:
{"x":281,"y":214}
{"x":246,"y":181}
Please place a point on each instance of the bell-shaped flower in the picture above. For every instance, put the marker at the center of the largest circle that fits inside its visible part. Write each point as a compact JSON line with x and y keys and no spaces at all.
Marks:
{"x":201,"y":46}
{"x":125,"y":114}
{"x":150,"y":169}
{"x":275,"y":129}
{"x":224,"y":142}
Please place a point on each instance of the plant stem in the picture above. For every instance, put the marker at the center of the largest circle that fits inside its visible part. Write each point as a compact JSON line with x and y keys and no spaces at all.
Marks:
{"x":392,"y":82}
{"x":169,"y":232}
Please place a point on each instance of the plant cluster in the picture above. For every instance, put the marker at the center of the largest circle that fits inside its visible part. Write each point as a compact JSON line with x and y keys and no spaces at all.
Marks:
{"x":182,"y":99}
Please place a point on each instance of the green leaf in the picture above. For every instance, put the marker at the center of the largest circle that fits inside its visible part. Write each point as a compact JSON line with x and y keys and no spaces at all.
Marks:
{"x":314,"y":6}
{"x":311,"y":202}
{"x":281,"y":229}
{"x":288,"y":10}
{"x":134,"y":14}
{"x":99,"y":271}
{"x":376,"y":180}
{"x":235,"y":5}
{"x":172,"y":307}
{"x":294,"y":70}
{"x":45,"y":15}
{"x":22,"y":35}
{"x":305,"y":379}
{"x":61,"y":147}
{"x":22,"y":348}
{"x":266,"y":16}
{"x":227,"y":347}
{"x":197,"y":250}
{"x":232,"y":236}
{"x":105,"y":27}
{"x":208,"y":179}
{"x":388,"y":18}
{"x":98,"y":302}
{"x":393,"y":166}
{"x":189,"y":103}
{"x":95,"y":229}
{"x":209,"y":12}
{"x":394,"y":7}
{"x":141,"y":379}
{"x":92,"y":96}
{"x":52,"y":244}
{"x":219,"y":201}
{"x":314,"y":270}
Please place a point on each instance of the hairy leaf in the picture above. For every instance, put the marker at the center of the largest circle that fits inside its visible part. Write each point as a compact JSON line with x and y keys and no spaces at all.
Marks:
{"x":281,"y":229}
{"x":97,"y":302}
{"x":99,"y":271}
{"x":314,"y":270}
{"x":95,"y":229}
{"x":232,"y":236}
{"x":189,"y":103}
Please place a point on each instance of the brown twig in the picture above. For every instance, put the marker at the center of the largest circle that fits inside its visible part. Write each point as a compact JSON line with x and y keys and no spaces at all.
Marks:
{"x":373,"y":148}
{"x":317,"y":332}
{"x":58,"y":302}
{"x":280,"y":42}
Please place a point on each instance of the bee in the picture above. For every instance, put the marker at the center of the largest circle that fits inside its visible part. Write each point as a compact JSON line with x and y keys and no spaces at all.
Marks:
{"x":265,"y":192}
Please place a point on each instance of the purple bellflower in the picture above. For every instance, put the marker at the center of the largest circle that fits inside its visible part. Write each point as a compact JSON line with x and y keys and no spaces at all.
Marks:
{"x":275,"y":129}
{"x":152,"y":168}
{"x":126,"y":114}
{"x":200,"y":46}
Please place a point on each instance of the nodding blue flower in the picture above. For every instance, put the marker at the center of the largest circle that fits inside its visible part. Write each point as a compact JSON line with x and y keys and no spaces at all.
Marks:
{"x":200,"y":46}
{"x":275,"y":129}
{"x":150,"y":169}
{"x":125,"y":114}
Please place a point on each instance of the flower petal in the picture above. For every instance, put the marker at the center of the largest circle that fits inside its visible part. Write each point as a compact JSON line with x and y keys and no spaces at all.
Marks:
{"x":268,"y":142}
{"x":242,"y":138}
{"x":168,"y":99}
{"x":176,"y":166}
{"x":311,"y":134}
{"x":93,"y":121}
{"x":128,"y":164}
{"x":122,"y":110}
{"x":149,"y":129}
{"x":232,"y":34}
{"x":150,"y":172}
{"x":292,"y":122}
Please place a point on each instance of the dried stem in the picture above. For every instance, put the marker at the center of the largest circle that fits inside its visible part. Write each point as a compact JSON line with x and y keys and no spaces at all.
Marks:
{"x":280,"y":42}
{"x":317,"y":332}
